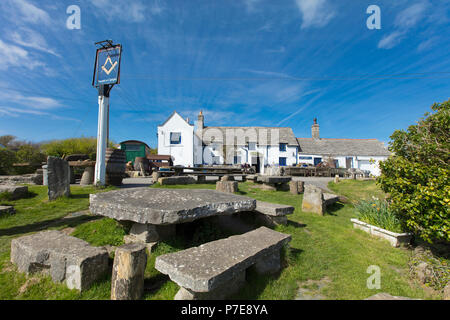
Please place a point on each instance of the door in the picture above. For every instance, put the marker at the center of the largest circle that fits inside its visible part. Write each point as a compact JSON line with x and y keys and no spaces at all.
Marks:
{"x":349,"y":162}
{"x":317,"y":161}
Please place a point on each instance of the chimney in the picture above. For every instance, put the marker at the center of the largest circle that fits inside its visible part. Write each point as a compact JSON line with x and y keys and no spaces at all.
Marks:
{"x":201,"y":121}
{"x":315,"y":130}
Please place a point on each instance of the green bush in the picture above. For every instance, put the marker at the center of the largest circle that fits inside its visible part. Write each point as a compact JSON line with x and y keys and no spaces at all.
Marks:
{"x":417,"y":176}
{"x":61,"y":148}
{"x":378,"y":213}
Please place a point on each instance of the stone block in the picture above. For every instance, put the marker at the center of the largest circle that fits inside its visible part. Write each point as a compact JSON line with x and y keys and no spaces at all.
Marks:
{"x":148,"y":233}
{"x":65,"y":258}
{"x":227,"y":186}
{"x":58,"y":178}
{"x":88,"y":176}
{"x":313,"y":200}
{"x":227,"y":178}
{"x":273,"y":209}
{"x":127,"y":281}
{"x":15,"y":192}
{"x":168,"y":181}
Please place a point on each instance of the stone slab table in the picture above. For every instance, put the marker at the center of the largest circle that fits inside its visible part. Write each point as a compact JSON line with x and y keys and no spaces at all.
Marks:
{"x":155,"y":212}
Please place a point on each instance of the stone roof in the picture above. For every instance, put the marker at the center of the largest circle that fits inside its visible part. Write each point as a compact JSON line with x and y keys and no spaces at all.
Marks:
{"x":342,"y":147}
{"x":252,"y":134}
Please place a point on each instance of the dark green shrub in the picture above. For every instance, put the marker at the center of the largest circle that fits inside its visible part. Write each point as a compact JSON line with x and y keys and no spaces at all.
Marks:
{"x":417,"y":177}
{"x":7,"y":158}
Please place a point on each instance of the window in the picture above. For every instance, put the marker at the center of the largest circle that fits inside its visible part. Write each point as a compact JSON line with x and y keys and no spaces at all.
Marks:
{"x":283,"y":146}
{"x":305,"y":158}
{"x":252,"y":146}
{"x":175,"y":137}
{"x":237,"y":159}
{"x":282,"y":161}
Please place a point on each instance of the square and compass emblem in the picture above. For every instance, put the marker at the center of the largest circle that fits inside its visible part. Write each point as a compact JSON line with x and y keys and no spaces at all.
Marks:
{"x":107,"y":66}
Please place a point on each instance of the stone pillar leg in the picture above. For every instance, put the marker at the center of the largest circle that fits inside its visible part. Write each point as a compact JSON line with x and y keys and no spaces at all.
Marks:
{"x":87,"y":177}
{"x":148,"y":233}
{"x":269,"y":264}
{"x":127,"y":281}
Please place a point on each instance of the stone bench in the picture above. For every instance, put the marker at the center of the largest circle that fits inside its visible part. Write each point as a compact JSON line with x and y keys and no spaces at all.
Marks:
{"x":315,"y":200}
{"x":217,"y":269}
{"x":273,"y":213}
{"x":168,"y":181}
{"x":15,"y":192}
{"x":274,"y":183}
{"x":67,"y":259}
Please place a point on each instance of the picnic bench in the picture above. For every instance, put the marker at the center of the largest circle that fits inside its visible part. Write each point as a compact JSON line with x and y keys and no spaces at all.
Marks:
{"x":217,"y":269}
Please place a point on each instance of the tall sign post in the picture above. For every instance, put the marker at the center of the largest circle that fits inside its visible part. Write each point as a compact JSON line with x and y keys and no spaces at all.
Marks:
{"x":106,"y":75}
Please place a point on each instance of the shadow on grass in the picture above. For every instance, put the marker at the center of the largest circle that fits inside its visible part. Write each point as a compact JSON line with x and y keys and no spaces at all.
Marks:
{"x":334,"y":208}
{"x":296,"y":224}
{"x":79,"y":196}
{"x":43,"y":225}
{"x":154,"y":283}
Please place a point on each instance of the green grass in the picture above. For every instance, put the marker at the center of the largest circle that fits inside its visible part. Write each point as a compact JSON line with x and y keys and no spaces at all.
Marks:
{"x":356,"y":190}
{"x":321,"y":247}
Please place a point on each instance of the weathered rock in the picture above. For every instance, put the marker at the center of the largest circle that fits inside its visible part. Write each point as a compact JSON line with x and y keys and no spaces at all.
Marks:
{"x":227,"y":178}
{"x":166,"y":206}
{"x":58,"y":178}
{"x":296,"y":187}
{"x":168,"y":181}
{"x":5,"y":210}
{"x":65,"y":258}
{"x":127,"y":281}
{"x":88,"y":176}
{"x":31,"y":178}
{"x":15,"y":192}
{"x":212,"y":265}
{"x":313,"y":200}
{"x":336,"y":179}
{"x":227,"y":186}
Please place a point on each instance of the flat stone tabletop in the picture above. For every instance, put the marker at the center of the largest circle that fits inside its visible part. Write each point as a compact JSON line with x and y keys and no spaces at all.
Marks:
{"x":166,"y":206}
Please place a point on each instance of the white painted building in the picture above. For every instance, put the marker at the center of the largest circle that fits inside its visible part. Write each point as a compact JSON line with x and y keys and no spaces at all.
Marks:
{"x":204,"y":145}
{"x":363,"y":154}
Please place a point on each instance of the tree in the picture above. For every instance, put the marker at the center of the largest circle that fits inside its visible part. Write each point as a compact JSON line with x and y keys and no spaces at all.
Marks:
{"x":6,"y":140}
{"x":61,"y":148}
{"x":30,"y":153}
{"x":417,"y":176}
{"x":7,"y":158}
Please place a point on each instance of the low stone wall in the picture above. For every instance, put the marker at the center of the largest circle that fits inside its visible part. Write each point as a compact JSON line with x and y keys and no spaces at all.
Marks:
{"x":396,"y":239}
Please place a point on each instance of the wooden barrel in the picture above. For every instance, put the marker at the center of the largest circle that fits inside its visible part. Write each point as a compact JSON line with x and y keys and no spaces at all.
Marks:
{"x":141,"y":161}
{"x":115,"y":166}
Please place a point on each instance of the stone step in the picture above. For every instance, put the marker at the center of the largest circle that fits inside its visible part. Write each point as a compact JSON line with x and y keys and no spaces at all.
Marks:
{"x":67,"y":259}
{"x":167,"y":181}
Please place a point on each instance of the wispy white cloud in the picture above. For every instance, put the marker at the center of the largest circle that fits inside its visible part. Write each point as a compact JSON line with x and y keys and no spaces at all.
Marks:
{"x":14,"y":56}
{"x":33,"y":102}
{"x":250,"y":5}
{"x":31,"y":39}
{"x":404,"y":21}
{"x":282,"y":49}
{"x":18,"y":112}
{"x":30,"y":13}
{"x":391,"y":40}
{"x":315,"y":13}
{"x":427,"y":44}
{"x":124,"y":10}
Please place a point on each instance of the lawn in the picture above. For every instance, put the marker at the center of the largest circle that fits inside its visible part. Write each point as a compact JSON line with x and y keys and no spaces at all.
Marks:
{"x":321,"y":248}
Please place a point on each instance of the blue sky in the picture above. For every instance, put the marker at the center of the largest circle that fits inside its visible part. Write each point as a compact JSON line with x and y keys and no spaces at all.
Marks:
{"x":243,"y":62}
